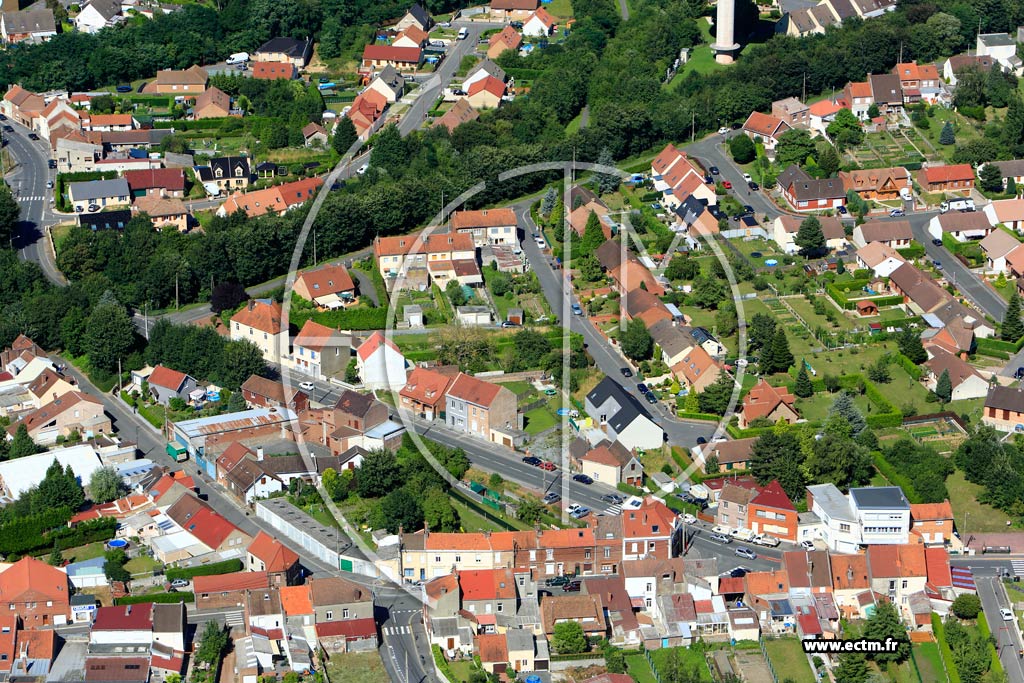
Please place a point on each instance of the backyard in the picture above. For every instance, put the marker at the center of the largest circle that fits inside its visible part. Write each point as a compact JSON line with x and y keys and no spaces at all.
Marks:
{"x":788,"y":659}
{"x":689,"y":658}
{"x":970,"y":515}
{"x":355,"y":667}
{"x":929,"y":662}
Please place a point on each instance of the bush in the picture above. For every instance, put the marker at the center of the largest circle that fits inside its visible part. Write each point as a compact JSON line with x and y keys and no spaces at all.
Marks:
{"x":162,"y":598}
{"x":212,"y":569}
{"x":967,"y":606}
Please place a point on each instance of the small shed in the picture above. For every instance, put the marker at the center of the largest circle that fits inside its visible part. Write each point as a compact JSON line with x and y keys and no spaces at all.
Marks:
{"x":474,"y":315}
{"x":867,"y":308}
{"x":515,"y":315}
{"x":412,"y":315}
{"x":663,"y":482}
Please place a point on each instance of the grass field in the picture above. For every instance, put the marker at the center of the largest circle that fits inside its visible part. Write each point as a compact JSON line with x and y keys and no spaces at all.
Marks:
{"x":639,"y":669}
{"x":929,"y":662}
{"x":560,"y":9}
{"x":84,"y":552}
{"x":788,"y":658}
{"x":142,"y":565}
{"x":471,"y":520}
{"x":356,"y":667}
{"x":690,"y":659}
{"x":970,"y":515}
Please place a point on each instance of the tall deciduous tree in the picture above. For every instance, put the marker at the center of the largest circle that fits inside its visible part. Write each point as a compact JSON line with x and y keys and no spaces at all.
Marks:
{"x":400,"y":508}
{"x":438,"y":512}
{"x":829,"y":161}
{"x":378,"y":474}
{"x":794,"y":147}
{"x":105,"y":485}
{"x":776,"y":455}
{"x":9,"y":212}
{"x":568,"y":638}
{"x":742,"y":149}
{"x":109,"y":334}
{"x":636,"y":341}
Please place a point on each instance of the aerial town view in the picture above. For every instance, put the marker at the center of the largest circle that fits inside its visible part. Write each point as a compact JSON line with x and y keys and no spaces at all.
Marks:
{"x":537,"y":341}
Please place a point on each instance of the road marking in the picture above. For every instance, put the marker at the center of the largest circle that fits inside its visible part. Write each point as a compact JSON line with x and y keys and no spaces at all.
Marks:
{"x":234,"y":618}
{"x":1018,"y":567}
{"x":395,"y":630}
{"x":614,"y":510}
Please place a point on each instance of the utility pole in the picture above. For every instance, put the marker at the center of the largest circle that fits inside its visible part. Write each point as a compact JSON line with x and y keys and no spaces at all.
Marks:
{"x":314,"y":246}
{"x":120,"y":387}
{"x":175,"y":290}
{"x":693,"y":125}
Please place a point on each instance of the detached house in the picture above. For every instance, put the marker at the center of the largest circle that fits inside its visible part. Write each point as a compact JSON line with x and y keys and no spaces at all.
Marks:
{"x":156,"y":182}
{"x":389,"y":83}
{"x":879,"y":258}
{"x":867,"y":516}
{"x":610,"y":462}
{"x":73,"y":412}
{"x":98,"y":14}
{"x":697,"y":369}
{"x":212,"y":103}
{"x":487,"y":411}
{"x":786,"y":227}
{"x":225,"y":174}
{"x":165,"y":384}
{"x":767,"y":402}
{"x":1004,"y":408}
{"x":99,"y":193}
{"x":35,"y":593}
{"x":765,"y":127}
{"x":287,"y":50}
{"x":376,"y":57}
{"x":1009,"y":212}
{"x":961,"y":226}
{"x":893,"y":234}
{"x":320,"y":351}
{"x":995,"y":247}
{"x":956,"y":178}
{"x":259,"y":322}
{"x":416,"y":16}
{"x":965,"y":380}
{"x":272,"y":71}
{"x":883,"y":184}
{"x":190,"y":81}
{"x":328,"y":286}
{"x":622,"y":417}
{"x":380,"y":363}
{"x":28,"y":26}
{"x":539,"y":24}
{"x":506,"y":39}
{"x":804,"y":193}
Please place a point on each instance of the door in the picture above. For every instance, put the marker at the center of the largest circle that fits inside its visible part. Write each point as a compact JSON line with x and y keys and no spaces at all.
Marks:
{"x":451,"y":644}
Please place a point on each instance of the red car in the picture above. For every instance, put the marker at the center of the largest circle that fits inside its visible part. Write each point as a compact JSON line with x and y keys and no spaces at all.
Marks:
{"x":549,"y":466}
{"x":726,"y":184}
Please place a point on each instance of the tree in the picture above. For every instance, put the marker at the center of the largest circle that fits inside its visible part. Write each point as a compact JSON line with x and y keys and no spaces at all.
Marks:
{"x":334,"y":484}
{"x":726,"y":319}
{"x":711,"y":465}
{"x":56,"y":558}
{"x":845,"y":129}
{"x":810,"y":238}
{"x":113,"y":565}
{"x":947,"y":136}
{"x":455,"y":293}
{"x":22,"y":444}
{"x":777,"y":357}
{"x":873,"y":112}
{"x":682,"y":267}
{"x":344,"y":135}
{"x":879,"y":372}
{"x":760,"y":331}
{"x":378,"y":474}
{"x":636,"y":341}
{"x":794,"y":147}
{"x":9,"y":213}
{"x":708,"y":292}
{"x":883,"y":624}
{"x":227,"y":295}
{"x":352,"y":372}
{"x":606,"y":182}
{"x":401,"y":509}
{"x":944,"y":387}
{"x":831,"y":383}
{"x":59,"y":488}
{"x":776,"y":455}
{"x":836,"y":458}
{"x":593,"y":235}
{"x":568,"y":638}
{"x":990,"y":178}
{"x":853,"y":668}
{"x":236,"y":402}
{"x":829,"y":161}
{"x":966,"y":606}
{"x":844,"y":406}
{"x":742,"y":149}
{"x":909,"y":342}
{"x":438,"y":512}
{"x":105,"y":485}
{"x":1012,"y":328}
{"x":547,"y":204}
{"x":1011,"y":186}
{"x":715,"y":399}
{"x":803,"y":388}
{"x":590,"y":268}
{"x":529,"y":510}
{"x":109,"y":334}
{"x":212,"y":644}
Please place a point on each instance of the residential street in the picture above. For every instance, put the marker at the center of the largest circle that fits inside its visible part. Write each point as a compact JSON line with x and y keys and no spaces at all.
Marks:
{"x":1006,"y":633}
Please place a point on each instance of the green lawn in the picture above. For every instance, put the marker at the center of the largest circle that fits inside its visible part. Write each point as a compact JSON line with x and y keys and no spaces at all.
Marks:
{"x":356,"y":667}
{"x":472,"y":520}
{"x":929,"y":662}
{"x":519,"y":388}
{"x":979,"y":517}
{"x":690,"y":659}
{"x":560,"y":9}
{"x":142,"y":565}
{"x":539,"y":419}
{"x":816,"y":407}
{"x":639,"y":669}
{"x":788,"y":659}
{"x":84,"y":552}
{"x":805,"y":310}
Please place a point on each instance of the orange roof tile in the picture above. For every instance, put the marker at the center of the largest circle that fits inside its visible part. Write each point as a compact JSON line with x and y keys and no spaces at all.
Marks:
{"x":487,"y":584}
{"x":945,"y":174}
{"x":315,"y":336}
{"x":931,"y":511}
{"x":764,"y":398}
{"x":274,"y":555}
{"x":494,"y":86}
{"x":295,"y":600}
{"x":425,"y":386}
{"x":235,"y":581}
{"x":167,"y":378}
{"x":475,"y":391}
{"x":767,"y":583}
{"x":374,"y":342}
{"x":29,"y":580}
{"x":492,"y":647}
{"x":260,"y":315}
{"x":652,"y":519}
{"x":328,"y":279}
{"x":487,"y":218}
{"x":850,"y":572}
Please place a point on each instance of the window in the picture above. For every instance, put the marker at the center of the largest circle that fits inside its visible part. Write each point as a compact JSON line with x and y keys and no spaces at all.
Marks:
{"x":330,"y":615}
{"x":586,"y":554}
{"x":437,"y":558}
{"x":501,"y":607}
{"x":905,"y":584}
{"x":344,"y":613}
{"x":458,"y":558}
{"x":550,"y":553}
{"x":632,"y":547}
{"x":844,"y":527}
{"x":607,"y":552}
{"x":651,"y":545}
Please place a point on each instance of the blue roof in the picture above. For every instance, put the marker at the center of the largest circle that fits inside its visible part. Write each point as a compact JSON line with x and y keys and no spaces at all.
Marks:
{"x":383,"y":429}
{"x":86,"y":567}
{"x":134,"y":467}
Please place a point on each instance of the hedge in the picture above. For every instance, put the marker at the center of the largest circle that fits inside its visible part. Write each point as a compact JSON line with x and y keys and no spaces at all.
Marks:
{"x":162,"y":598}
{"x":947,"y":654}
{"x":26,"y":534}
{"x":212,"y":569}
{"x":699,"y":416}
{"x":576,"y":655}
{"x":997,"y":666}
{"x":997,"y":345}
{"x":895,"y":478}
{"x":631,"y":490}
{"x":914,"y":251}
{"x":442,"y":664}
{"x":912,"y":368}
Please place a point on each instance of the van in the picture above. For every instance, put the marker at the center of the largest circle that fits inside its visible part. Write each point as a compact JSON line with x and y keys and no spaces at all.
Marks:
{"x":957,"y":205}
{"x":238,"y":58}
{"x":463,"y":33}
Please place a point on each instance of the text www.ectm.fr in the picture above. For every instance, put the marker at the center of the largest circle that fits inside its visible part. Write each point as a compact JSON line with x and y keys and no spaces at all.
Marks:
{"x":835,"y":647}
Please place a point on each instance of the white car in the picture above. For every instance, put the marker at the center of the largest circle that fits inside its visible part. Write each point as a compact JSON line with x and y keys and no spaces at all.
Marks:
{"x":362,"y":169}
{"x":1006,"y":614}
{"x":719,"y":529}
{"x":747,"y":178}
{"x":723,"y":130}
{"x":573,"y":508}
{"x":307,"y":386}
{"x":689,"y":519}
{"x":807,"y":545}
{"x":541,"y":243}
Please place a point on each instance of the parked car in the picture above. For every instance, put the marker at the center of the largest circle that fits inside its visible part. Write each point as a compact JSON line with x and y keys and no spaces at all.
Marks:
{"x":49,"y":184}
{"x":719,"y":538}
{"x":723,"y":130}
{"x":582,"y":478}
{"x":1006,"y":614}
{"x":937,"y":264}
{"x":937,"y":242}
{"x":306,"y":386}
{"x":612,"y":498}
{"x":841,"y":210}
{"x":9,"y":129}
{"x":897,"y":213}
{"x":532,"y":460}
{"x":708,"y":180}
{"x":459,"y":92}
{"x":573,"y":508}
{"x":179,"y":583}
{"x":651,"y":398}
{"x":557,"y":581}
{"x":746,"y":552}
{"x":33,"y":136}
{"x":507,"y":324}
{"x":701,"y":440}
{"x":581,"y":513}
{"x":754,"y":187}
{"x":572,"y":587}
{"x":626,"y":372}
{"x":713,"y":170}
{"x":541,"y":244}
{"x":689,"y":519}
{"x":548,"y":466}
{"x":2,"y":117}
{"x":642,"y":388}
{"x":746,"y":177}
{"x":551,"y":498}
{"x":807,"y":545}
{"x":1019,"y":373}
{"x":52,"y":163}
{"x":726,"y":184}
{"x":94,"y":207}
{"x":576,"y":310}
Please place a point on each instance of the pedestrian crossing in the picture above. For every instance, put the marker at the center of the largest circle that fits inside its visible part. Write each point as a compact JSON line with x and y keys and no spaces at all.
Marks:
{"x":33,"y":198}
{"x":395,"y":630}
{"x":614,"y":510}
{"x":1018,"y":567}
{"x":234,"y":618}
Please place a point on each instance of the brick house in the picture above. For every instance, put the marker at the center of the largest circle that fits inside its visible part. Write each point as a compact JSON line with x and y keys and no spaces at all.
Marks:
{"x":955,"y":178}
{"x":1004,"y":408}
{"x":227,"y":591}
{"x":267,"y":554}
{"x":766,"y":127}
{"x":73,"y":412}
{"x":485,"y":410}
{"x":35,"y":593}
{"x":877,"y":183}
{"x":260,"y":392}
{"x":190,"y":81}
{"x":768,"y":402}
{"x":425,"y":390}
{"x":804,"y":193}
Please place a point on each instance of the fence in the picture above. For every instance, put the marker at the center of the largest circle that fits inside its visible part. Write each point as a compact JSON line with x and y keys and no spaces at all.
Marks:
{"x":767,"y":660}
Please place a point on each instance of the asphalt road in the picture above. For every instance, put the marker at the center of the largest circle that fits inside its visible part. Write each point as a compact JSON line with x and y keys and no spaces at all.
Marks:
{"x":607,"y":358}
{"x":1007,"y":634}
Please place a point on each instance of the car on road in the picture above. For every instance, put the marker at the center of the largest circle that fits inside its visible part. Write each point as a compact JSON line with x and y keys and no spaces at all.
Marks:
{"x":642,"y":388}
{"x":573,"y":508}
{"x":541,"y":244}
{"x":576,"y":310}
{"x":306,"y":386}
{"x":689,"y":519}
{"x":49,"y":184}
{"x":582,"y":478}
{"x":52,"y":163}
{"x":581,"y":513}
{"x":807,"y":545}
{"x":754,"y":187}
{"x":747,"y":178}
{"x":897,"y":213}
{"x":937,"y":242}
{"x":33,"y":136}
{"x":532,"y":460}
{"x":534,"y":235}
{"x":94,"y":207}
{"x":612,"y":499}
{"x":713,"y":170}
{"x":572,"y":587}
{"x":719,"y":538}
{"x":508,"y":323}
{"x":708,"y":180}
{"x":2,"y":117}
{"x":746,"y":552}
{"x":179,"y":583}
{"x":551,"y":498}
{"x":362,"y":169}
{"x":651,"y":398}
{"x":723,"y":130}
{"x":9,"y":129}
{"x":726,"y":184}
{"x":548,"y":466}
{"x":937,"y":264}
{"x":1006,"y":614}
{"x":738,"y":572}
{"x":626,"y":372}
{"x":557,"y":581}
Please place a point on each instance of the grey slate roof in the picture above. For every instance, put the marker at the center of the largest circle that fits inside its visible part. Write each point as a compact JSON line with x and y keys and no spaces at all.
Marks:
{"x":30,"y":21}
{"x":97,"y":189}
{"x":880,"y":498}
{"x":629,"y":407}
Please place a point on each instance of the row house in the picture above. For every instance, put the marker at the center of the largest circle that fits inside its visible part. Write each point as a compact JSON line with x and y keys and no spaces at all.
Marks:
{"x":22,"y":106}
{"x":951,"y":178}
{"x":425,"y":391}
{"x":920,"y":82}
{"x":676,"y":178}
{"x":354,"y":421}
{"x":892,"y":234}
{"x":276,"y":200}
{"x":260,"y":322}
{"x":762,"y":509}
{"x":406,"y":261}
{"x":482,"y":409}
{"x":74,"y":411}
{"x":487,"y":226}
{"x":319,"y":351}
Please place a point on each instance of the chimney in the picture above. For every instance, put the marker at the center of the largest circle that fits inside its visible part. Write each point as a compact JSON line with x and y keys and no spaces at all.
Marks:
{"x":259,"y":453}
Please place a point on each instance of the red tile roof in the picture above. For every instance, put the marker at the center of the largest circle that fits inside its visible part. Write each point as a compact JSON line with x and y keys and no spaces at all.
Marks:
{"x":426,"y":386}
{"x":473,"y":390}
{"x":210,"y":528}
{"x":260,"y":315}
{"x":487,"y":218}
{"x":764,"y":125}
{"x":492,"y":647}
{"x":172,"y":179}
{"x":390,"y":53}
{"x":235,"y":581}
{"x":945,"y":174}
{"x":315,"y":336}
{"x":773,"y":496}
{"x":374,"y":342}
{"x":167,"y":378}
{"x":809,"y":624}
{"x":487,"y":584}
{"x":493,"y":85}
{"x":106,"y":669}
{"x":352,"y":629}
{"x":295,"y":600}
{"x":124,"y":618}
{"x":29,"y":580}
{"x":652,"y":519}
{"x":274,"y":555}
{"x":328,"y":279}
{"x":764,"y":398}
{"x":269,"y":71}
{"x":937,"y":564}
